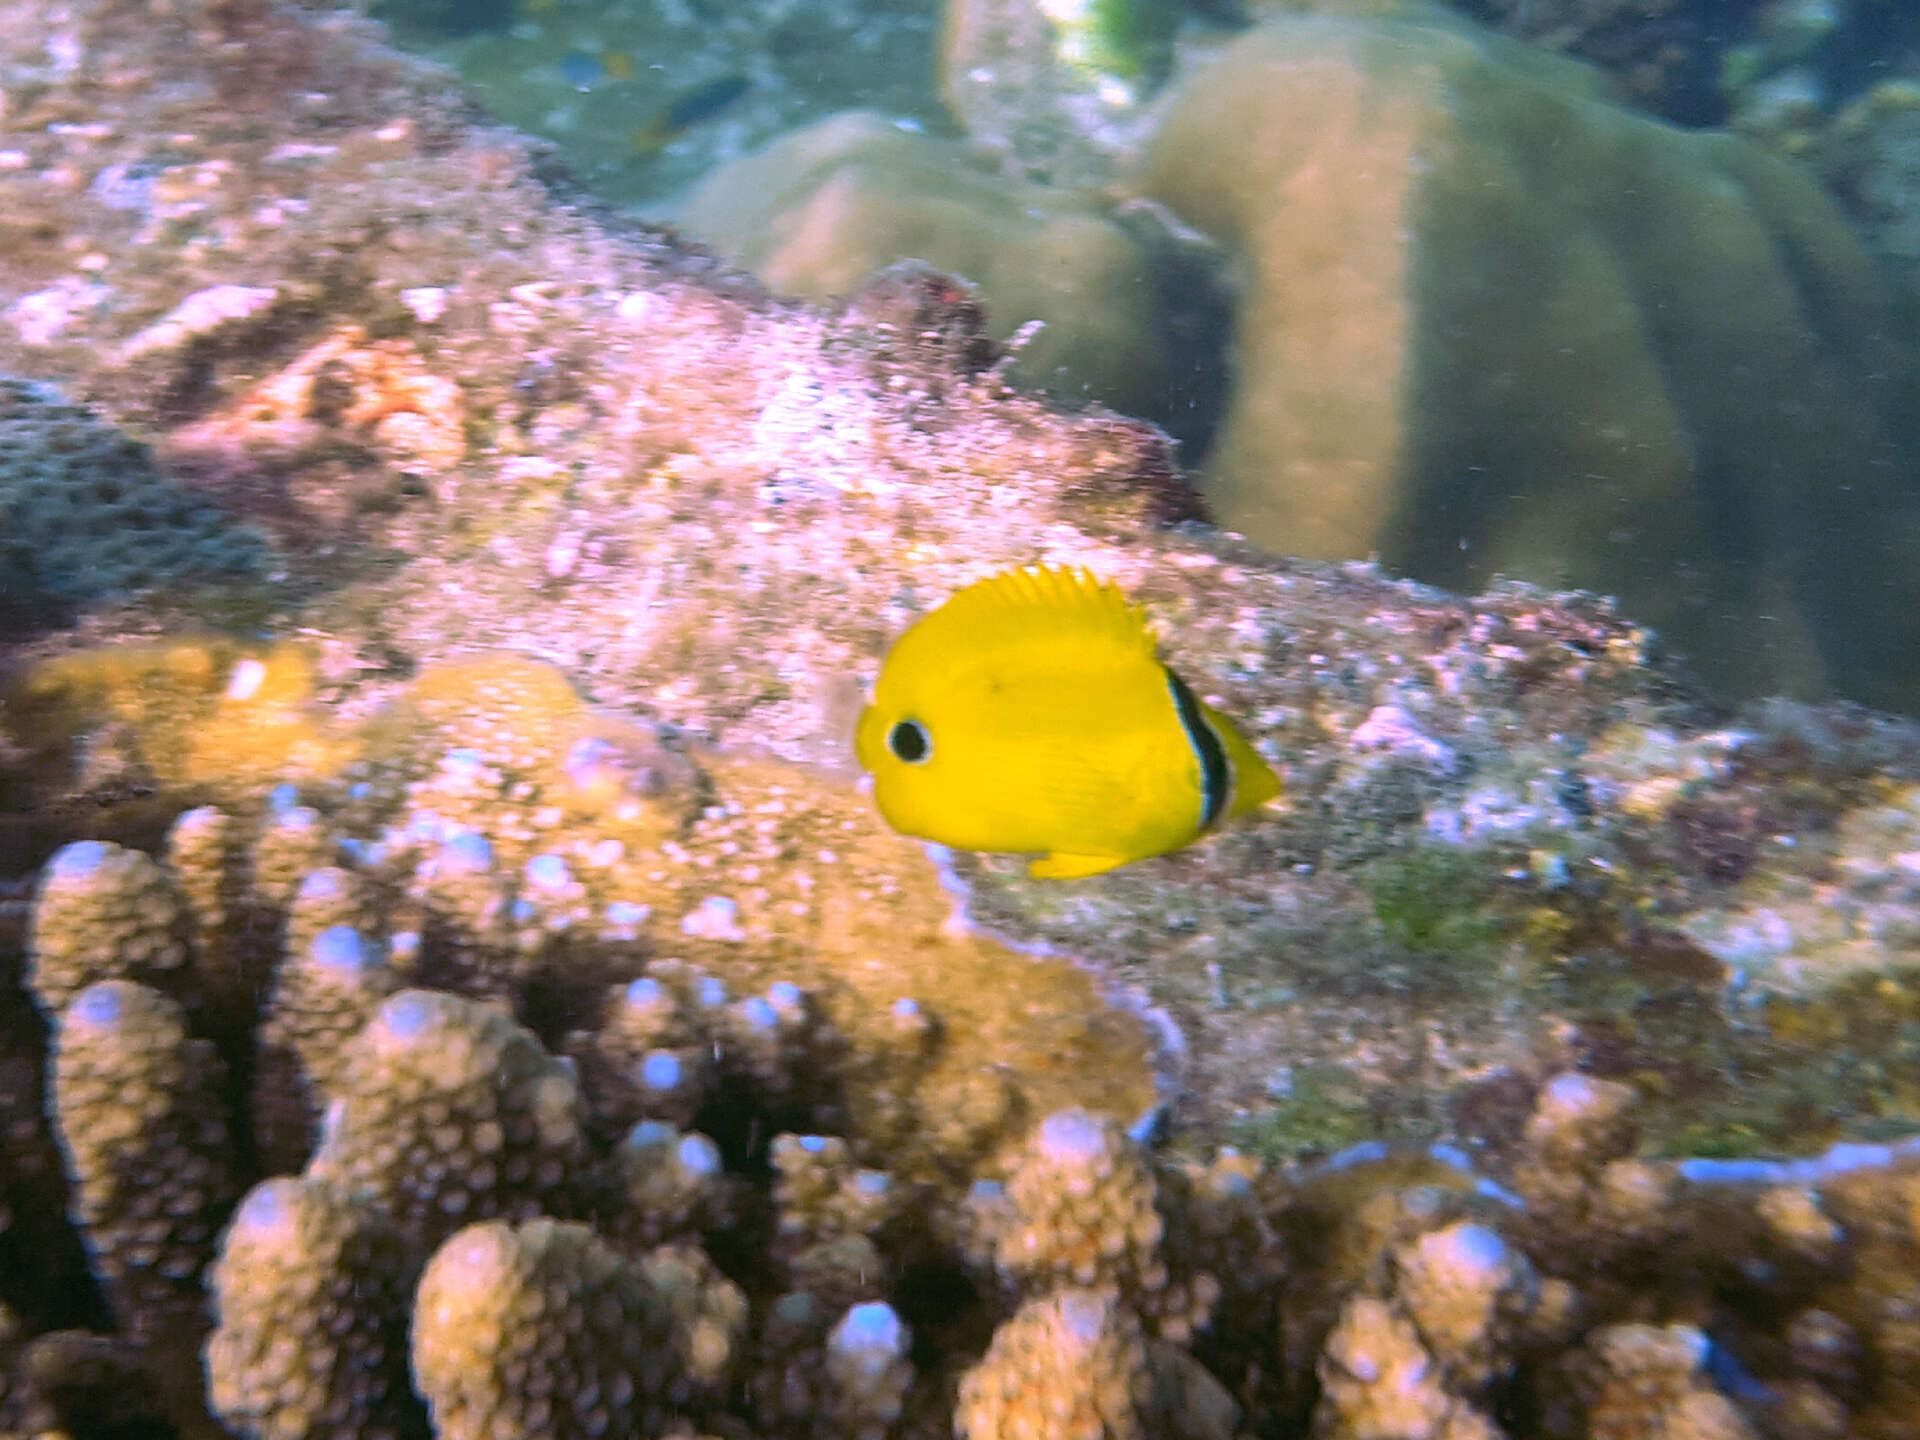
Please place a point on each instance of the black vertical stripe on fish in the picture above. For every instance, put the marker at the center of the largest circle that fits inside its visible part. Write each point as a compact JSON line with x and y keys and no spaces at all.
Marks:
{"x":688,"y":109}
{"x":1216,"y":779}
{"x":703,"y":102}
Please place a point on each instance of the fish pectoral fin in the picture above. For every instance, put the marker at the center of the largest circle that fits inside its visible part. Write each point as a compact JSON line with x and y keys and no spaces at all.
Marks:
{"x":1061,"y":865}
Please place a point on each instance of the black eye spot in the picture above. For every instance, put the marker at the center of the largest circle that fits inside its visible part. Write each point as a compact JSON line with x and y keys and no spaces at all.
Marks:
{"x":910,"y":742}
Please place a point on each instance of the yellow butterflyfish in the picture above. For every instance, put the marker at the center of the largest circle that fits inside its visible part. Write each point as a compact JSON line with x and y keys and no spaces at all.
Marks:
{"x":1032,"y":713}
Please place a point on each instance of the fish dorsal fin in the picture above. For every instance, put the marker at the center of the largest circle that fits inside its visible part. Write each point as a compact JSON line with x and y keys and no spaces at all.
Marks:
{"x":1041,"y":604}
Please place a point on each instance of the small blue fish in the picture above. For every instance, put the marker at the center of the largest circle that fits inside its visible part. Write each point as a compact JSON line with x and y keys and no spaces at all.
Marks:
{"x":581,"y":69}
{"x":584,"y":69}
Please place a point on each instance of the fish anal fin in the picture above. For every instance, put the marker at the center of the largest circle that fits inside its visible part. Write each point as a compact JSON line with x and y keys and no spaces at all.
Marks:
{"x":1061,"y":865}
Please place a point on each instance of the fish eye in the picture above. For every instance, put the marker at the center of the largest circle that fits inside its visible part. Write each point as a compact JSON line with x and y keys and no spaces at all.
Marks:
{"x":910,"y":742}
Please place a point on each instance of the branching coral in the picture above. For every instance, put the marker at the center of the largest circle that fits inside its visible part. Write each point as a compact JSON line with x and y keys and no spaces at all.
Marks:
{"x":104,"y":913}
{"x":795,"y":1113}
{"x":500,"y":1304}
{"x":1126,"y":1293}
{"x":311,"y":1292}
{"x":139,"y":1104}
{"x":1073,"y":1363}
{"x":447,"y":1110}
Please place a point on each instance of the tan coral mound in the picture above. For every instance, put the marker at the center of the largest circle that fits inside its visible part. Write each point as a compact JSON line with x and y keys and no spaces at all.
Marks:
{"x":818,"y":212}
{"x":1493,"y":324}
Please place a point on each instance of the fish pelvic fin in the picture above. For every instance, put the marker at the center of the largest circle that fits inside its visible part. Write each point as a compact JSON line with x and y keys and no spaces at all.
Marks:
{"x":1061,"y":865}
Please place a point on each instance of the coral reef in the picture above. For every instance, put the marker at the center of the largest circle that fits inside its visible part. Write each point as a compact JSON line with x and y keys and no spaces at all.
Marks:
{"x":1009,"y":1268}
{"x":712,"y":513}
{"x":1409,"y":376}
{"x":441,"y":1110}
{"x":765,"y":1279}
{"x":817,"y":1132}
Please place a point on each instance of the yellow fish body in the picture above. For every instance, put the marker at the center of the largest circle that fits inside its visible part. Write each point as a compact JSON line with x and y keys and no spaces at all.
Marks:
{"x":1032,"y":713}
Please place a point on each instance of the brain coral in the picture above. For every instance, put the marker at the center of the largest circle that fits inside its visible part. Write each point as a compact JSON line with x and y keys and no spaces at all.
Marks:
{"x":85,"y":513}
{"x":1493,"y":324}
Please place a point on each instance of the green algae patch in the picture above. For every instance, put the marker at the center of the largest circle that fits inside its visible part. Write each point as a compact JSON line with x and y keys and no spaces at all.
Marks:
{"x":1438,"y":902}
{"x":1319,"y":1110}
{"x":1841,"y":1065}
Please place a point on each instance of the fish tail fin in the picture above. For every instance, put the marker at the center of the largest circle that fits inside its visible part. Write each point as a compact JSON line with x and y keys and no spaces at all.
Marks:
{"x":1255,"y":782}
